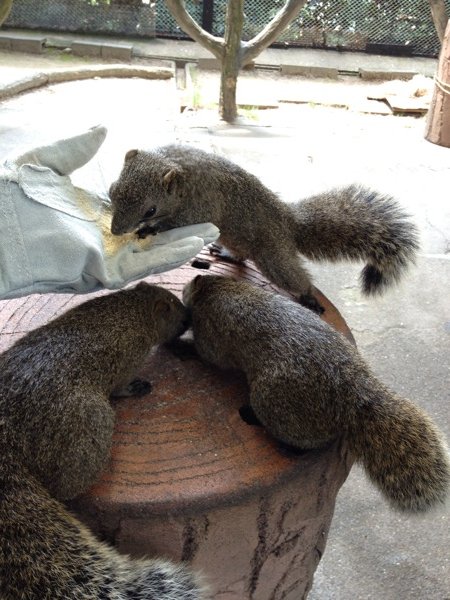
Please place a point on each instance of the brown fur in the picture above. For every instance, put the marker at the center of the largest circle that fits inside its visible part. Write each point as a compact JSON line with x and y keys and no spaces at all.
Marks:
{"x":56,"y":424}
{"x":181,"y":185}
{"x":309,"y":385}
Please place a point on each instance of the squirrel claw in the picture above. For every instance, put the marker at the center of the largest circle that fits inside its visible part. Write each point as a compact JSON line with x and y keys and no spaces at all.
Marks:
{"x":215,"y":249}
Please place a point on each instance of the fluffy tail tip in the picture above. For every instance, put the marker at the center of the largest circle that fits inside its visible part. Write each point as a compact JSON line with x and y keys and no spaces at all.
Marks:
{"x":424,"y":499}
{"x":418,"y":488}
{"x":372,"y":280}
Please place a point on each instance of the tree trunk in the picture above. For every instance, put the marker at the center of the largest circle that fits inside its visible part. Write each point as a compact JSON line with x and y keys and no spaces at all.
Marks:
{"x":231,"y":61}
{"x":438,"y":122}
{"x":440,"y":18}
{"x":231,"y":51}
{"x":5,"y":9}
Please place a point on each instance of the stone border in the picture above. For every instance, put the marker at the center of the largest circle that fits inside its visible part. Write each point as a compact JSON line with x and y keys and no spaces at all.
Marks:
{"x":39,"y":79}
{"x":122,"y":52}
{"x":22,"y":43}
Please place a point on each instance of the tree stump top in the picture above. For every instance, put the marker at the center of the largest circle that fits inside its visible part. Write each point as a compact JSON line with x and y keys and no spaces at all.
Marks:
{"x":184,"y":446}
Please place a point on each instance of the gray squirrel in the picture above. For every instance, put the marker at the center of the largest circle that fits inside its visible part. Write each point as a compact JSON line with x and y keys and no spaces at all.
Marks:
{"x":56,"y":425}
{"x":177,"y":185}
{"x":309,"y":385}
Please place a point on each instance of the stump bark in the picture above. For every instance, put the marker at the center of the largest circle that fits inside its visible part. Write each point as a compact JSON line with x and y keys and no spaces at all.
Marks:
{"x":438,"y":120}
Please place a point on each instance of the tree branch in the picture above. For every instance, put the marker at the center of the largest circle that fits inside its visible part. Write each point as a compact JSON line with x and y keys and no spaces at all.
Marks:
{"x":440,"y":18}
{"x":197,"y":33}
{"x":5,"y":9}
{"x":272,"y":30}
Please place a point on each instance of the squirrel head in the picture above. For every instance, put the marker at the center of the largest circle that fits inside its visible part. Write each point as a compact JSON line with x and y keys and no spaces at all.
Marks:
{"x":202,"y":285}
{"x":168,"y":314}
{"x":148,"y":189}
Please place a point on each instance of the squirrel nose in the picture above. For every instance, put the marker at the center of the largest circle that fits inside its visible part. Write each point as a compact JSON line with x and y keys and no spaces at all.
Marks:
{"x":115,"y":229}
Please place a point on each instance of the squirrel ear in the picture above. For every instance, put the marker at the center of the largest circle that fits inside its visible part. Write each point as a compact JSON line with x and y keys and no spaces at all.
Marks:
{"x":193,"y":290}
{"x":130,"y":154}
{"x":199,"y":282}
{"x":170,"y":180}
{"x":163,"y":307}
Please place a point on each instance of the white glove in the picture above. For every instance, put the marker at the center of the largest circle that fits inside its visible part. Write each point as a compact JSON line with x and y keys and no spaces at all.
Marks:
{"x":54,"y":237}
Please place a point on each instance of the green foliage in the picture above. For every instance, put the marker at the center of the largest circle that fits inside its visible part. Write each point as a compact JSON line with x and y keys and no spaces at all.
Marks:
{"x":250,"y":113}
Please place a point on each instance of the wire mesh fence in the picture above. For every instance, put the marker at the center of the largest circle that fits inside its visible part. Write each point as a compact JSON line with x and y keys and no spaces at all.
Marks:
{"x":381,"y":26}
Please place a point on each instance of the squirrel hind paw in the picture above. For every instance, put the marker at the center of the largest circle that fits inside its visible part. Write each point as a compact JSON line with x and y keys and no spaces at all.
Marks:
{"x":224,"y":254}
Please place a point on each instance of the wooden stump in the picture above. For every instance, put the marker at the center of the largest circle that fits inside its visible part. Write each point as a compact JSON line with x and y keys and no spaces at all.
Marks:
{"x":438,"y":122}
{"x":190,"y":480}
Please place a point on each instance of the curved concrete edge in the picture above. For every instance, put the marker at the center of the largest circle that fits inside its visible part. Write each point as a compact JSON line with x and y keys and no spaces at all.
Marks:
{"x":40,"y":79}
{"x":22,"y":85}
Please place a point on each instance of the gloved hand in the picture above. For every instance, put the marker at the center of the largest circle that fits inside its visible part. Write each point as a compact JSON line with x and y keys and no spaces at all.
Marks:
{"x":54,"y":237}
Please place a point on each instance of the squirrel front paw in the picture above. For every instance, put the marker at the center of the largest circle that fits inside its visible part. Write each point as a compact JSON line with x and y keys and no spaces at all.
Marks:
{"x":147,"y":230}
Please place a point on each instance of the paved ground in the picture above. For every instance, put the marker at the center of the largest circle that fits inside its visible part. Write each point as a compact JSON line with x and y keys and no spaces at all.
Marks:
{"x":372,"y":553}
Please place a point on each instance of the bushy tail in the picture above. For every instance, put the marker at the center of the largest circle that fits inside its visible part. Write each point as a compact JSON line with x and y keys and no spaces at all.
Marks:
{"x":357,"y":223}
{"x":403,"y":453}
{"x":47,"y":554}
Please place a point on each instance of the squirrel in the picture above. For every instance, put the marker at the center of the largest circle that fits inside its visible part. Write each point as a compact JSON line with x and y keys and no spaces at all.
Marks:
{"x":178,"y":185}
{"x":56,"y":425}
{"x":309,"y":385}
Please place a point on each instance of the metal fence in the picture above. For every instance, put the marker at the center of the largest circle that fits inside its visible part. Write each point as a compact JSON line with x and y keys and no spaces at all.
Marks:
{"x":381,"y":26}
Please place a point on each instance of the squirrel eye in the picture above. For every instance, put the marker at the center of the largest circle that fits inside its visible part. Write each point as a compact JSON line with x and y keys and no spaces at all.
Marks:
{"x":149,"y":213}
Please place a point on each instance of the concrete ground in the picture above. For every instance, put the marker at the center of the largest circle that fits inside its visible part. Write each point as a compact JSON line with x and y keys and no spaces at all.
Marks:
{"x":373,"y":553}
